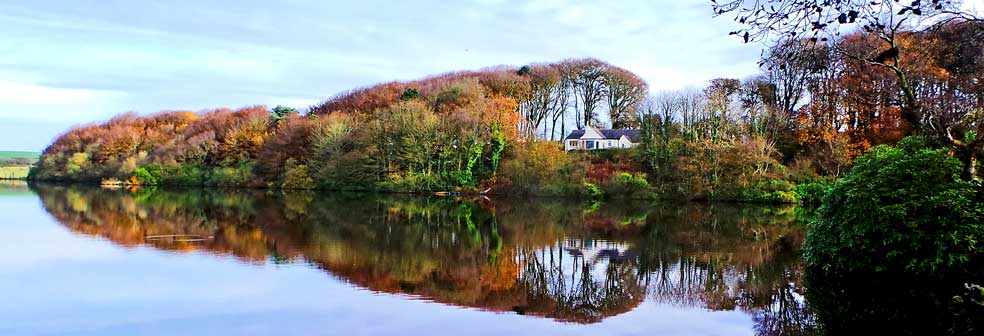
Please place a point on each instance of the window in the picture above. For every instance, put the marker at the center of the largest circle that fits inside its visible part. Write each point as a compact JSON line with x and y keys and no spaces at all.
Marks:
{"x":572,"y":143}
{"x":590,"y":144}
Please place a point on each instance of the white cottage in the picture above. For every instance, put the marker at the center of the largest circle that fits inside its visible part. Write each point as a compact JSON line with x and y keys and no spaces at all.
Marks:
{"x":591,"y":138}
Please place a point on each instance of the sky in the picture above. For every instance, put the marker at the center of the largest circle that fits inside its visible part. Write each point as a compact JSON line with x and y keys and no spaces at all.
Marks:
{"x":71,"y":62}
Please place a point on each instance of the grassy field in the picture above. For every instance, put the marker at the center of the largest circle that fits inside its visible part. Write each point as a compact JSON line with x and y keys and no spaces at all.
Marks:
{"x":13,"y":172}
{"x":18,"y":154}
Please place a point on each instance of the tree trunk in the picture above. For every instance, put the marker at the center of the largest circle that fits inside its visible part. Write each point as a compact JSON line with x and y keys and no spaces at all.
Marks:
{"x":969,"y":159}
{"x":563,"y":129}
{"x":553,"y":129}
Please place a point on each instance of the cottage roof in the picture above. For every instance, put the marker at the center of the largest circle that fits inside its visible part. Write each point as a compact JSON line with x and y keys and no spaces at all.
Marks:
{"x":632,"y":134}
{"x":611,"y":134}
{"x":575,"y":134}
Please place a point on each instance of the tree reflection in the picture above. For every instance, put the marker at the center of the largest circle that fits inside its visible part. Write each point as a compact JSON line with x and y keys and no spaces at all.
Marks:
{"x":549,"y":258}
{"x":582,"y":280}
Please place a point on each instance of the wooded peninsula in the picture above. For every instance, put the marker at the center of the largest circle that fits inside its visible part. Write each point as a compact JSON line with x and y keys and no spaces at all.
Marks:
{"x":781,"y":136}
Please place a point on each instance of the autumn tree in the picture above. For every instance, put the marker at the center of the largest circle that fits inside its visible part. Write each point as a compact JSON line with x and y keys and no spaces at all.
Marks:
{"x":291,"y":140}
{"x":721,"y":97}
{"x":887,"y":21}
{"x":541,"y":100}
{"x":787,"y":67}
{"x":624,"y":91}
{"x":586,"y":78}
{"x":760,"y":113}
{"x":561,"y":97}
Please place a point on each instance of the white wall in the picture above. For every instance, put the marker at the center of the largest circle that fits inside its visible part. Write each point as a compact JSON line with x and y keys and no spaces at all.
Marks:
{"x":579,"y":144}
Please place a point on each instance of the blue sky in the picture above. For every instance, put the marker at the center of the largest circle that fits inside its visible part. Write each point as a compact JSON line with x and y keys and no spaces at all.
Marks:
{"x":64,"y":63}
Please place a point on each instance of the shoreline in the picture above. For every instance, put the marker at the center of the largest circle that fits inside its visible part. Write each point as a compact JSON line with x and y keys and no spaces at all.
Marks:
{"x":415,"y":193}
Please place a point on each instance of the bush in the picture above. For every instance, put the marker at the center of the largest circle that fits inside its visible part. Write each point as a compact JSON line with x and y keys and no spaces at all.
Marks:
{"x":627,"y":185}
{"x":413,"y":182}
{"x":540,"y":167}
{"x":241,"y":176}
{"x":896,"y":241}
{"x":812,"y":191}
{"x":902,"y":209}
{"x":769,"y":191}
{"x":410,"y":93}
{"x":592,"y":190}
{"x":177,"y":175}
{"x":742,"y":170}
{"x":297,"y":176}
{"x":143,"y":177}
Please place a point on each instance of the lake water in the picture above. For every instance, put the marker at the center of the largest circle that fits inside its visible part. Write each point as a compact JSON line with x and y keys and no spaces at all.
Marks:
{"x":91,"y":261}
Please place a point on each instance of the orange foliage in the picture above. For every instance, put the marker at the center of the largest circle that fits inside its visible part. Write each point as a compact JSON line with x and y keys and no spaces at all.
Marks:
{"x":243,"y":140}
{"x":364,"y":100}
{"x":496,"y":81}
{"x":502,"y":109}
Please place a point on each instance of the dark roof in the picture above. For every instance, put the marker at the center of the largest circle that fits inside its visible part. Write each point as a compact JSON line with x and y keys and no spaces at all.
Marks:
{"x":576,"y":134}
{"x":632,"y":134}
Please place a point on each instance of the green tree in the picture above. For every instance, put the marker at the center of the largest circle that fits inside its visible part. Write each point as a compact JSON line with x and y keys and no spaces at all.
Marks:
{"x":409,"y":94}
{"x":897,"y":241}
{"x":900,"y":209}
{"x":281,"y":112}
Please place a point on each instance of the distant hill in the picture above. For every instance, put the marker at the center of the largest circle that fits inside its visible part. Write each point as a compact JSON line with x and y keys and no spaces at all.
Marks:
{"x":19,"y":154}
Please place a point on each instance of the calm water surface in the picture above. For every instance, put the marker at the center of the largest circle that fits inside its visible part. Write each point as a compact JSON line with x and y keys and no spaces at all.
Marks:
{"x":90,"y":261}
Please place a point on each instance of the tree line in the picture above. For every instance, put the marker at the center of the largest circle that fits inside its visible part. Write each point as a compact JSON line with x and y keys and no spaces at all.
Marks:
{"x":439,"y":133}
{"x":815,"y":107}
{"x":897,"y":238}
{"x":811,"y":111}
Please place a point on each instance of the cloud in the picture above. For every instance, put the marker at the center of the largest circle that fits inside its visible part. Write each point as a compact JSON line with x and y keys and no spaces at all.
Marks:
{"x":80,"y":62}
{"x":31,"y":102}
{"x":28,"y":94}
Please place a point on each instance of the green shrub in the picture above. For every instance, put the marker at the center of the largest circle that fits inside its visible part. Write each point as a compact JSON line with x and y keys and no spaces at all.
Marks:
{"x":769,"y":191}
{"x":144,"y":177}
{"x":902,"y":209}
{"x":177,"y":175}
{"x":592,"y":190}
{"x":409,"y":93}
{"x":627,"y":185}
{"x":812,"y":191}
{"x":414,"y":182}
{"x":296,"y":176}
{"x":241,"y":176}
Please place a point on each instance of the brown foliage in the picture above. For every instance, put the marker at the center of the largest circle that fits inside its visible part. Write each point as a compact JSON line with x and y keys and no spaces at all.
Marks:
{"x":291,"y":140}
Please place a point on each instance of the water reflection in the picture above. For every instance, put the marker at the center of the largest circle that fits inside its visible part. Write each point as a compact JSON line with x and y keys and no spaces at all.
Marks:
{"x":567,"y":261}
{"x":13,"y":187}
